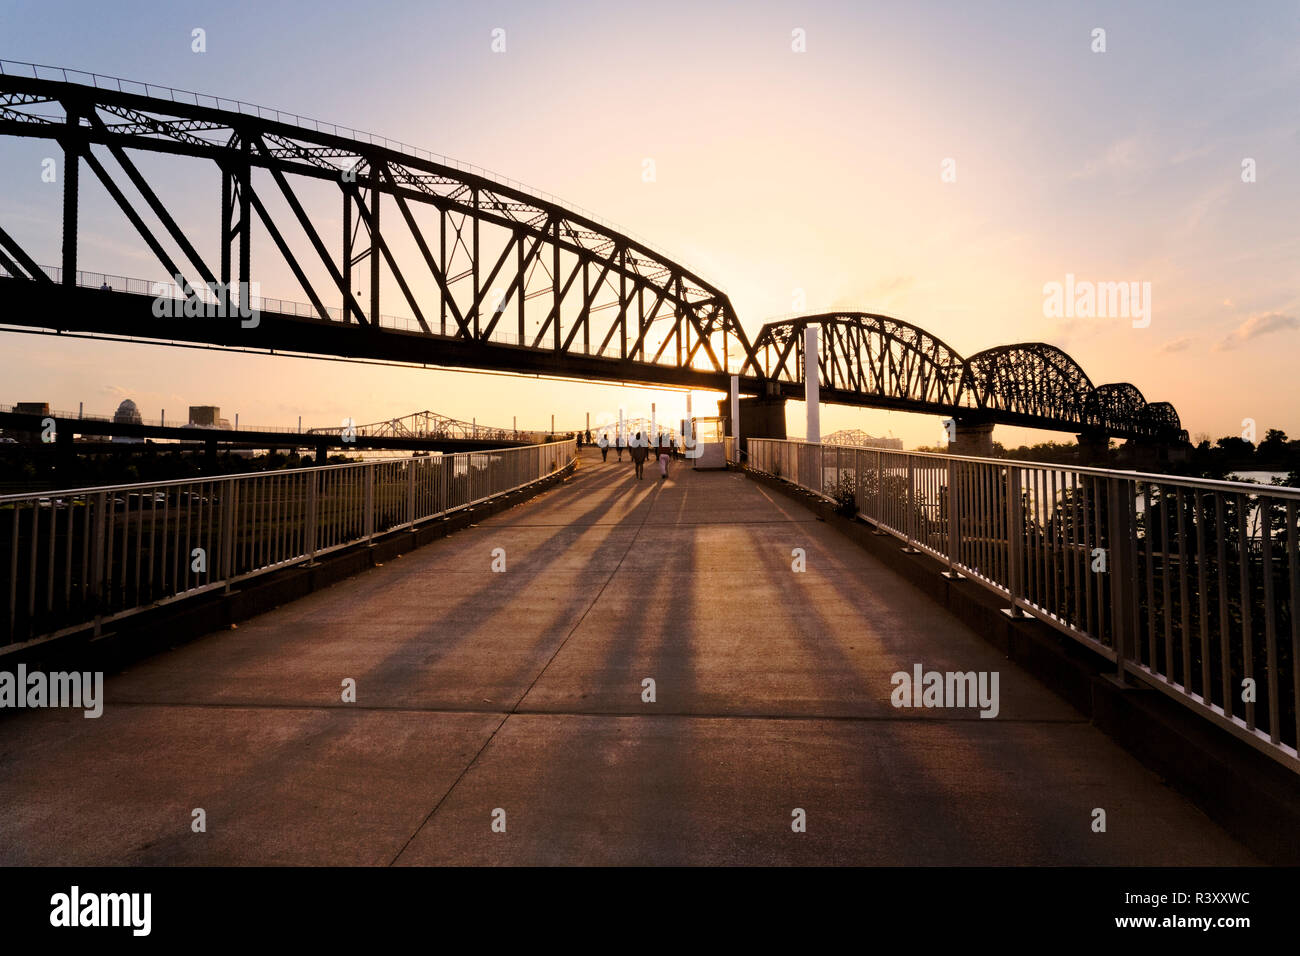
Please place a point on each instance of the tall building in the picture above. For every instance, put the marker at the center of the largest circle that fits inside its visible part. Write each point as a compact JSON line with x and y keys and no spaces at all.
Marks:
{"x":28,"y":408}
{"x":208,"y":416}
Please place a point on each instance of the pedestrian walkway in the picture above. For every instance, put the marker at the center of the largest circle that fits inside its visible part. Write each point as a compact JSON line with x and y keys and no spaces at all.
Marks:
{"x":518,"y":696}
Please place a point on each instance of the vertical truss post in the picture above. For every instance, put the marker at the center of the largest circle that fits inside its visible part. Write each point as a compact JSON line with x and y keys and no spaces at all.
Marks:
{"x":72,"y":146}
{"x":555,"y":283}
{"x":375,"y":198}
{"x":523,"y":287}
{"x":474,"y":263}
{"x":245,"y":186}
{"x":640,"y":324}
{"x":226,"y":192}
{"x":347,"y":256}
{"x":586,"y":309}
{"x":442,"y":264}
{"x":622,"y":307}
{"x":726,"y":338}
{"x":680,"y":322}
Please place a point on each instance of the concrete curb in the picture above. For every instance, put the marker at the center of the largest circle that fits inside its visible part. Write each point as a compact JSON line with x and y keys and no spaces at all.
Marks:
{"x":170,"y":625}
{"x":1253,"y":798}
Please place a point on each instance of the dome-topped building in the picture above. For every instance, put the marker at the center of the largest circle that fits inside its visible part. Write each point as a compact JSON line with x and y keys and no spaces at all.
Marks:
{"x":127,"y":414}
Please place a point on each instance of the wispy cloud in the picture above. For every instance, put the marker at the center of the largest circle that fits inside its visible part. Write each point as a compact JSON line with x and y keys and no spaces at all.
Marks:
{"x":1177,"y":345}
{"x":1123,"y":154}
{"x":879,"y":295}
{"x":1258,"y":325}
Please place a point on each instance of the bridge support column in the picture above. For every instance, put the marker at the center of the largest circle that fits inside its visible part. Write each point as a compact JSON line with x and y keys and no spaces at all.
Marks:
{"x":1094,"y":449}
{"x":760,"y":417}
{"x":972,"y":438}
{"x":65,"y":457}
{"x":1152,"y":454}
{"x":812,"y":384}
{"x":321,"y":452}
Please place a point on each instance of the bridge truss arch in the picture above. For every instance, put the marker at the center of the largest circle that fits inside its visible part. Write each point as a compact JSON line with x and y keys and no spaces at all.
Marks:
{"x":865,"y":354}
{"x":479,"y":265}
{"x":1033,"y":380}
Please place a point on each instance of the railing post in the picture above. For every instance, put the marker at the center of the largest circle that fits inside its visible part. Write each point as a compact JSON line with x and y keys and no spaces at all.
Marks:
{"x":1119,"y":571}
{"x":229,"y":502}
{"x":411,"y":466}
{"x":97,"y":556}
{"x":954,"y":520}
{"x":1015,"y":525}
{"x":880,"y":487}
{"x":368,"y":521}
{"x":309,"y":529}
{"x":858,"y":503}
{"x":910,"y":527}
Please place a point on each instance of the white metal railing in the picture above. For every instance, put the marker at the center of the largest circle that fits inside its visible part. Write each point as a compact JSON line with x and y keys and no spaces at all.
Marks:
{"x":1188,"y":585}
{"x":69,"y":559}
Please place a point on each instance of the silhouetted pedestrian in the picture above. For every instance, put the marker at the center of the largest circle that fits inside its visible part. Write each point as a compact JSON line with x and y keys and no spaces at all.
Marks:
{"x":665,"y":451}
{"x":619,"y":442}
{"x":639,"y":447}
{"x":604,"y":447}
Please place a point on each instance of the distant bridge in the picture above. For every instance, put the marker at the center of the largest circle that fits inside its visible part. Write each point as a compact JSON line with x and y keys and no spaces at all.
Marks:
{"x":518,"y":282}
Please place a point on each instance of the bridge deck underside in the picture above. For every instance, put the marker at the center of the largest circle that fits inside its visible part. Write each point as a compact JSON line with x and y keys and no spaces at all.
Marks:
{"x":523,"y":691}
{"x":123,"y":314}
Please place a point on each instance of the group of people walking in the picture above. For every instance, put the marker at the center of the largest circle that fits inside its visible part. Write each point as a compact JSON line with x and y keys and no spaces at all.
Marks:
{"x":640,"y":447}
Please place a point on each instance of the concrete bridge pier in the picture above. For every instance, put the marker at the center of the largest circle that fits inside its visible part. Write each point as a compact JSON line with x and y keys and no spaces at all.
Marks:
{"x":1094,"y":448}
{"x":1147,"y":454}
{"x":761,"y":416}
{"x":972,"y":437}
{"x":65,"y":456}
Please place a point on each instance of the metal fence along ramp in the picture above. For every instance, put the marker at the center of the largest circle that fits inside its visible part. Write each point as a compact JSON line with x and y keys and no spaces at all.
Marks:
{"x":1189,"y":586}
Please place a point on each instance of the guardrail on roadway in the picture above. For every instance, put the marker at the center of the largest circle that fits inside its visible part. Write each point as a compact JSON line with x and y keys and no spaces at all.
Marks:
{"x":87,"y":556}
{"x":1189,"y":586}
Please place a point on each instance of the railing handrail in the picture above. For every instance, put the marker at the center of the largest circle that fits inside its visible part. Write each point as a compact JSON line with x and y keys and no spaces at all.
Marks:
{"x":1209,"y":484}
{"x":195,"y":479}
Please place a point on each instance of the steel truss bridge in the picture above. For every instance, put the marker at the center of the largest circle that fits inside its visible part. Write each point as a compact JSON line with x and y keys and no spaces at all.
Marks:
{"x":492,"y":275}
{"x":427,"y":424}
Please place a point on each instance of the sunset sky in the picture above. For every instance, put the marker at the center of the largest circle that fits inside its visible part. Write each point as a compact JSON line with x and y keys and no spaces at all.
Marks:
{"x":777,"y":171}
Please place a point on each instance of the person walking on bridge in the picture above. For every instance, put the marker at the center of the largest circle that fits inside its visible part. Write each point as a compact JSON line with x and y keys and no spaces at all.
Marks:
{"x":604,"y":447}
{"x":639,"y":447}
{"x":665,"y":452}
{"x":619,"y":442}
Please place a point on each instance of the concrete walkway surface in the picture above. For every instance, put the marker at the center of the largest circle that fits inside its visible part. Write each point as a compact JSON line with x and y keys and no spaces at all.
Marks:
{"x":521,"y":691}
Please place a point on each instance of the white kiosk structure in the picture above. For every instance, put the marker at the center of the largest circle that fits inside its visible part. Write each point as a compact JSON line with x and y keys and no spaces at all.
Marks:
{"x":710,"y":448}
